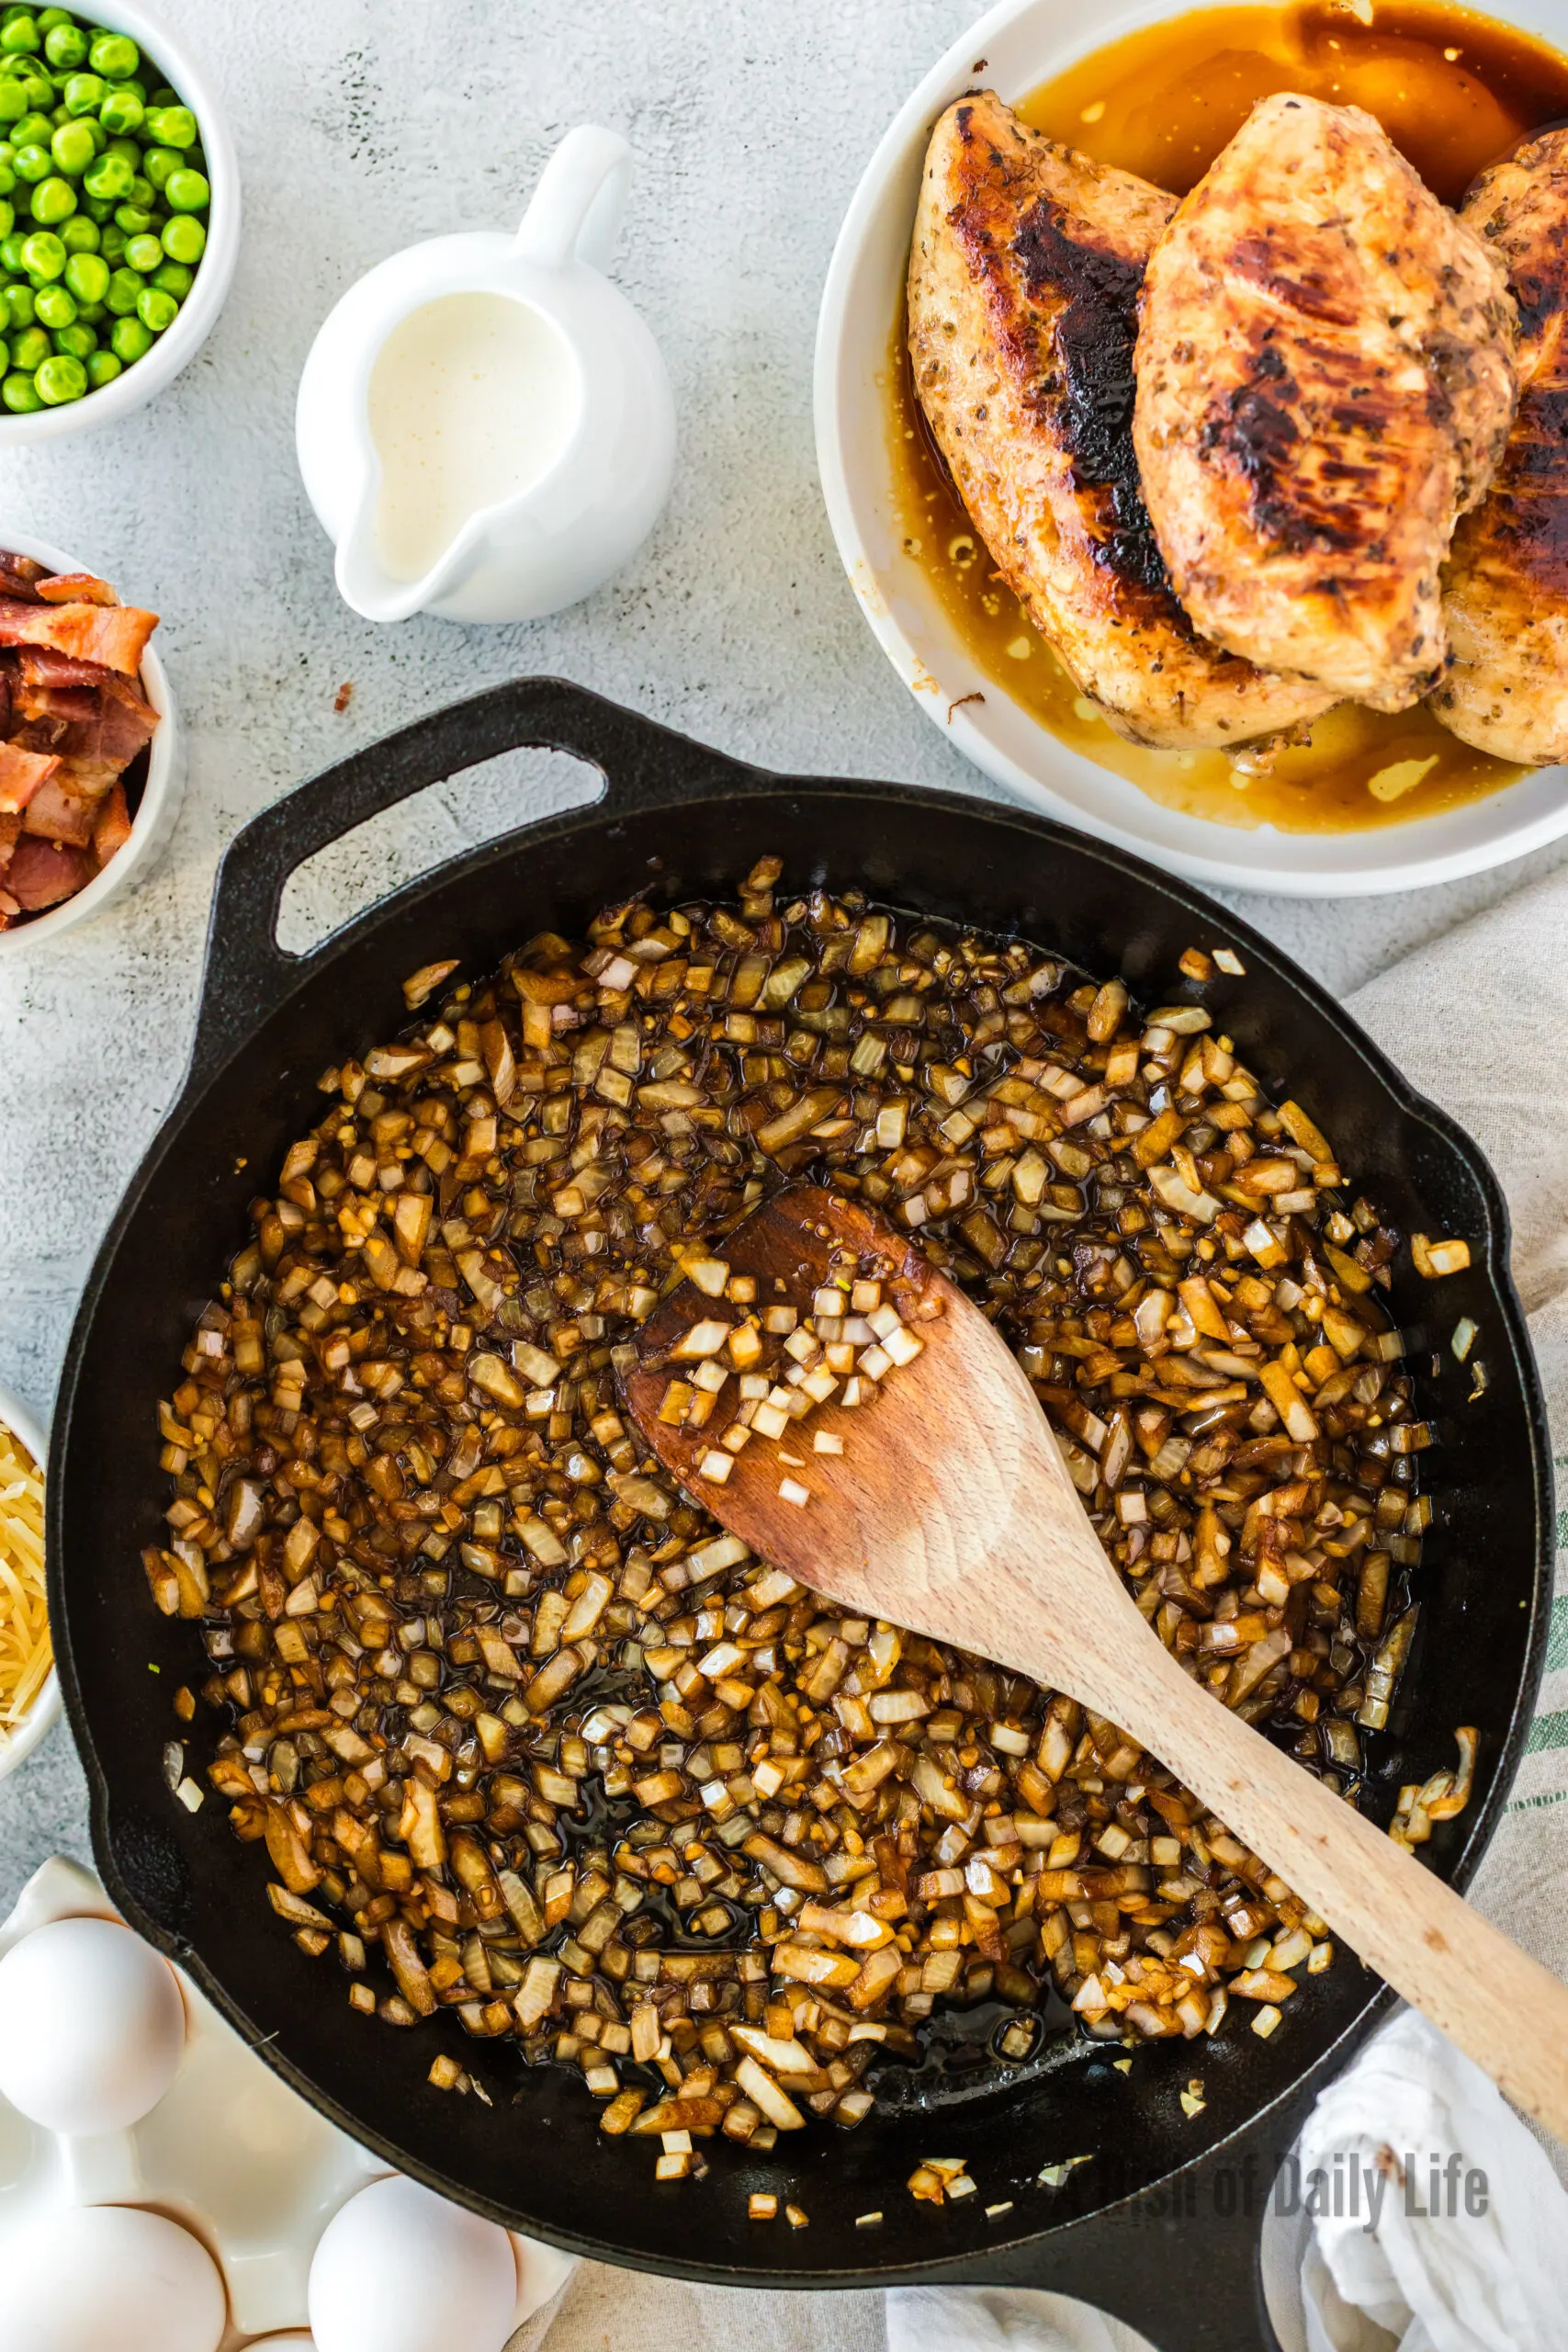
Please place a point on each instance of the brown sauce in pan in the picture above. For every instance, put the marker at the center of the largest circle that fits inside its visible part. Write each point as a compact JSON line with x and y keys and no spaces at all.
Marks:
{"x":1454,"y":91}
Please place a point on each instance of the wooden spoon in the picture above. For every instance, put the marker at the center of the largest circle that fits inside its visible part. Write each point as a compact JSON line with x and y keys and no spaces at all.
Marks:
{"x":950,"y":1512}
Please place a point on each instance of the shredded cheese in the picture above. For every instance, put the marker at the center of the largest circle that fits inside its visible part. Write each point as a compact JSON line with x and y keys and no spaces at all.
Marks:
{"x":26,"y":1655}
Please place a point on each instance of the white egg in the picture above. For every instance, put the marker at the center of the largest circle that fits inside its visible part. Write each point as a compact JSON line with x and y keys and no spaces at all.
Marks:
{"x":401,"y":2271}
{"x":94,"y":2277}
{"x":92,"y":2026}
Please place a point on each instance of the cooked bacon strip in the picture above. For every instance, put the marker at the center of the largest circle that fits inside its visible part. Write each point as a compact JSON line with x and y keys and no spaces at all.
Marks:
{"x":118,"y":636}
{"x":97,"y":718}
{"x":20,"y":575}
{"x":44,"y":665}
{"x":65,"y":809}
{"x":41,"y":874}
{"x":112,"y":830}
{"x":10,"y":827}
{"x":22,"y":772}
{"x":76,"y":587}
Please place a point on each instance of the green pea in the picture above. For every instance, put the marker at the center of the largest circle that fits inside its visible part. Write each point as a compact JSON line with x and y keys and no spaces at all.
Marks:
{"x":20,"y":306}
{"x":13,"y":100}
{"x":20,"y":395}
{"x":158,"y":163}
{"x":184,"y":239}
{"x":134,"y":219}
{"x":123,"y":291}
{"x":122,"y":109}
{"x":174,"y":278}
{"x":187,"y":192}
{"x":84,"y":93}
{"x":155,"y":309}
{"x":143,"y":254}
{"x":163,"y":96}
{"x":64,"y":46}
{"x":33,"y":129}
{"x":49,"y":17}
{"x":53,"y":200}
{"x":129,"y":148}
{"x":79,"y":235}
{"x":61,"y":378}
{"x":7,"y":180}
{"x":8,"y":218}
{"x":103,"y":366}
{"x":79,"y":341}
{"x":111,"y":244}
{"x":130,"y":340}
{"x":43,"y":255}
{"x":55,"y":306}
{"x":110,"y":177}
{"x":20,"y":37}
{"x":91,"y":315}
{"x":171,"y":126}
{"x":33,"y":162}
{"x":11,"y":250}
{"x":30,"y":347}
{"x":141,"y":193}
{"x":114,"y":55}
{"x":73,"y":148}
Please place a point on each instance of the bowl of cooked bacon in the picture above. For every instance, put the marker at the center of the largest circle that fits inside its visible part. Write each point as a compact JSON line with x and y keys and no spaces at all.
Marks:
{"x":89,"y":772}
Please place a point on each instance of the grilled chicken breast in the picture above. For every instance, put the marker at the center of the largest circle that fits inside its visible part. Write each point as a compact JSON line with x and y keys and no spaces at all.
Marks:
{"x":1023,"y":284}
{"x":1506,"y":588}
{"x":1325,"y":382}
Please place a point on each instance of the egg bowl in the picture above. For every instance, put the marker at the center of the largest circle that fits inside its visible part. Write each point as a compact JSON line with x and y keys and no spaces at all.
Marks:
{"x":1014,"y":50}
{"x":16,"y":1746}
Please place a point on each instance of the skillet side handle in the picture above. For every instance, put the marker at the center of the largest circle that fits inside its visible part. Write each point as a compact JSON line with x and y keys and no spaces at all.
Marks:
{"x":247,"y":974}
{"x":1180,"y":2263}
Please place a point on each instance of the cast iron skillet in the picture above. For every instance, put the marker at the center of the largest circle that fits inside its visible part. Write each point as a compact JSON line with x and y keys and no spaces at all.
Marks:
{"x":1161,"y":2224}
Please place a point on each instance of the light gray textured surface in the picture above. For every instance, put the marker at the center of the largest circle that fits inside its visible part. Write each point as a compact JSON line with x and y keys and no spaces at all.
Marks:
{"x":362,"y":125}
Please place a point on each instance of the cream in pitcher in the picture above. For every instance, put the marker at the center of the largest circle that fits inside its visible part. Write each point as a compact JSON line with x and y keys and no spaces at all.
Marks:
{"x":472,"y":401}
{"x":485,"y":426}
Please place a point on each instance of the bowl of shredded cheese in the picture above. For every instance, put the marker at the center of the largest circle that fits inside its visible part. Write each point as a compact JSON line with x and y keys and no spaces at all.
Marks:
{"x":29,"y":1688}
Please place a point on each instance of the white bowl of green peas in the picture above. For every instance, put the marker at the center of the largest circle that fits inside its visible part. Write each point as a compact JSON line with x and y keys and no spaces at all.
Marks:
{"x":120,"y":215}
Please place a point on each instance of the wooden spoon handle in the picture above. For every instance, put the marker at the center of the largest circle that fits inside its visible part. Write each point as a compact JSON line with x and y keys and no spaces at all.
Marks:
{"x":1501,"y":2006}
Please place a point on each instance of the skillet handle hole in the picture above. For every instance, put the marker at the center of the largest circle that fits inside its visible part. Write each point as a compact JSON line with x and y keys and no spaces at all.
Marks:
{"x":462,"y":811}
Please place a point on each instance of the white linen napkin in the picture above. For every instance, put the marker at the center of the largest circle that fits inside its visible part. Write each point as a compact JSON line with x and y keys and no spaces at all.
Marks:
{"x":1466,"y":2249}
{"x":1478,"y":1020}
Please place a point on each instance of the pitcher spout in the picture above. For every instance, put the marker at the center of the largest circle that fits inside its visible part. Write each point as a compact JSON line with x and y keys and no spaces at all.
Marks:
{"x":366,"y":584}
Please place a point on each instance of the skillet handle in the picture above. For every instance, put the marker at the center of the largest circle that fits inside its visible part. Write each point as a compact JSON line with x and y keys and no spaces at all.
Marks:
{"x":1180,"y":2263}
{"x":247,"y":974}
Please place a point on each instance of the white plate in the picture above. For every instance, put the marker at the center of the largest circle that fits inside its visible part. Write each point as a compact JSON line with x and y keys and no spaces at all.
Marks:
{"x":230,"y":2152}
{"x":1024,"y":42}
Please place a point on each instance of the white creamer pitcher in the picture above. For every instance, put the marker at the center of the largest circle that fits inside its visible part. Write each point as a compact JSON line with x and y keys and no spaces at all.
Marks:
{"x":485,"y":426}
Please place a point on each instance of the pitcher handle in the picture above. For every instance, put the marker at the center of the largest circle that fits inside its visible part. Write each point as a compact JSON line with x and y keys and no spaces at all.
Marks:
{"x":576,"y":211}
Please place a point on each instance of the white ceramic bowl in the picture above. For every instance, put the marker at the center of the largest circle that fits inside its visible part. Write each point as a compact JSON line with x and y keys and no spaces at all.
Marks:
{"x":161,"y":796}
{"x":1023,"y":43}
{"x":17,"y":1745}
{"x":198,"y":314}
